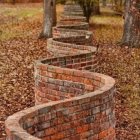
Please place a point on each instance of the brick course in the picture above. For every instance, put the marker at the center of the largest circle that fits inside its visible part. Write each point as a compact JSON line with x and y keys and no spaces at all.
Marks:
{"x":72,"y":103}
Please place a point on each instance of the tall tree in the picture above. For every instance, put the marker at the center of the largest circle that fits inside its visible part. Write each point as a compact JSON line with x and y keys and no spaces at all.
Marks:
{"x":96,"y":7}
{"x":104,"y":2}
{"x":54,"y":13}
{"x":131,"y":35}
{"x":49,"y":18}
{"x":89,"y":7}
{"x":13,"y":1}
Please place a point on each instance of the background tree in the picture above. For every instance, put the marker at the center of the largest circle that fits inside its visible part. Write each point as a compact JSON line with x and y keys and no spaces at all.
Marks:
{"x":89,"y":7}
{"x":54,"y":13}
{"x":131,"y":35}
{"x":13,"y":1}
{"x":104,"y":2}
{"x":49,"y":18}
{"x":96,"y":7}
{"x":61,"y":1}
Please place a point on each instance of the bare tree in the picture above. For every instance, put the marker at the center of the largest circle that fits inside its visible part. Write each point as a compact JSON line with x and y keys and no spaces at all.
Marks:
{"x":96,"y":7}
{"x":54,"y":13}
{"x":89,"y":7}
{"x":131,"y":35}
{"x":49,"y":18}
{"x":104,"y":2}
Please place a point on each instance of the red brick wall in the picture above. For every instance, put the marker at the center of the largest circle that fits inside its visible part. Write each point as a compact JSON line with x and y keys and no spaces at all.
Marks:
{"x":79,"y":104}
{"x":89,"y":116}
{"x":55,"y":83}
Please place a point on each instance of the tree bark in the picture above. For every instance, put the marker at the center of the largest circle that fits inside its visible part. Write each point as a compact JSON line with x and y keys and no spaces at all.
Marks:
{"x":48,"y":19}
{"x":116,"y":5}
{"x":131,"y":34}
{"x":104,"y":3}
{"x":54,"y":13}
{"x":96,"y":8}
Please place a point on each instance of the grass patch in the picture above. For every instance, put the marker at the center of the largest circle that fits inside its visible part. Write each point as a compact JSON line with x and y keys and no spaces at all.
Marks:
{"x":14,"y":19}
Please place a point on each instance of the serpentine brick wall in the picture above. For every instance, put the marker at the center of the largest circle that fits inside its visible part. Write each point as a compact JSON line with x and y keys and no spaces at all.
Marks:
{"x":72,"y":103}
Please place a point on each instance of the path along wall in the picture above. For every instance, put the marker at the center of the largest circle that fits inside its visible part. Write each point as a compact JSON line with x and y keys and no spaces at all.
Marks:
{"x":71,"y":102}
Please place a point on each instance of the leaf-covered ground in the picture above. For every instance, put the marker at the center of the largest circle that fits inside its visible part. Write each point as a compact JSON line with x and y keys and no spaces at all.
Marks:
{"x":122,"y":63}
{"x":19,"y":46}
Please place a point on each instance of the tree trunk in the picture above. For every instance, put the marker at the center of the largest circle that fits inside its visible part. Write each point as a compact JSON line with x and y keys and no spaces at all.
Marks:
{"x":131,"y":35}
{"x":48,"y":19}
{"x":104,"y":3}
{"x":96,"y":8}
{"x":121,"y":2}
{"x":13,"y":2}
{"x":54,"y":13}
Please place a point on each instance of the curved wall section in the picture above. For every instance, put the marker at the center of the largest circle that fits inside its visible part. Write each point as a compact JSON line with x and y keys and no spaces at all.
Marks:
{"x":88,"y":116}
{"x":71,"y":102}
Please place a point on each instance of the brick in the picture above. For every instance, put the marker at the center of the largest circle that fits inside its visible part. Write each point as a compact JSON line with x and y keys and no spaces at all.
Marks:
{"x":85,"y":135}
{"x":40,"y":134}
{"x":47,"y":116}
{"x":103,"y":134}
{"x":77,"y":137}
{"x":59,"y":70}
{"x":45,"y":110}
{"x":90,"y":119}
{"x":57,"y":136}
{"x":43,"y":126}
{"x":82,"y":128}
{"x":96,"y":110}
{"x":50,"y":131}
{"x":94,"y":137}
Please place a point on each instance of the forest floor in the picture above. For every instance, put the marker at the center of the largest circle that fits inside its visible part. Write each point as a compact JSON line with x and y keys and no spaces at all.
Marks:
{"x":20,"y":27}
